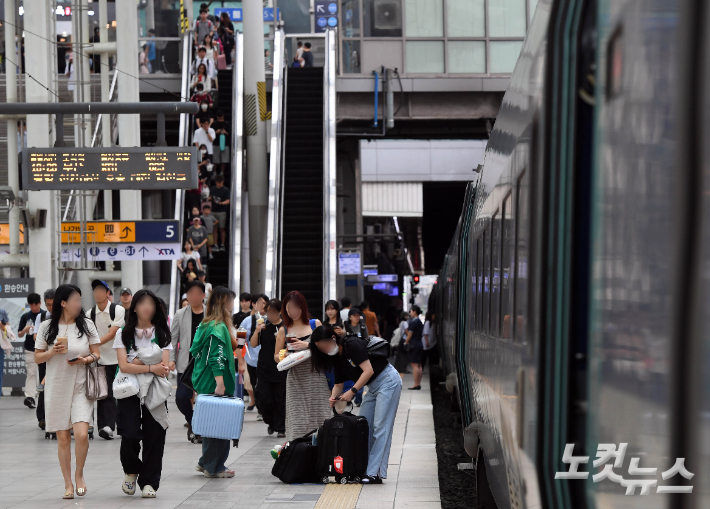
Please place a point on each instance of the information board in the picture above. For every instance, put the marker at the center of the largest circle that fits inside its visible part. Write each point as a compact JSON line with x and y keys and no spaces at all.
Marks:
{"x":326,"y":15}
{"x":16,"y":287}
{"x":118,"y":252}
{"x":349,"y":263}
{"x":5,"y":233}
{"x":14,"y":369}
{"x":111,"y":232}
{"x":383,"y":278}
{"x":109,"y":168}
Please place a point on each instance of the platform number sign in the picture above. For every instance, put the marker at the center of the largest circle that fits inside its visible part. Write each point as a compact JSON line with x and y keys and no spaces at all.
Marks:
{"x":326,"y":15}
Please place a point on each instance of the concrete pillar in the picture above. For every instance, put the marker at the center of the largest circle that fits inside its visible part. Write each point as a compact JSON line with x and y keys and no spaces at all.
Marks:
{"x":257,"y":167}
{"x":129,"y":125}
{"x":13,"y":178}
{"x":105,"y":91}
{"x":41,"y":65}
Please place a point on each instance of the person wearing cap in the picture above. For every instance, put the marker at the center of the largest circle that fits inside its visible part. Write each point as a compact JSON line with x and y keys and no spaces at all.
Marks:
{"x":126,"y":296}
{"x":208,"y":286}
{"x":108,"y":318}
{"x":198,"y":235}
{"x":355,"y":325}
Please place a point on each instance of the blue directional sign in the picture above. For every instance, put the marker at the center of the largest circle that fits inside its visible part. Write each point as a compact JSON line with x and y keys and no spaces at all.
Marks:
{"x":157,"y":231}
{"x":326,"y":14}
{"x":236,"y":15}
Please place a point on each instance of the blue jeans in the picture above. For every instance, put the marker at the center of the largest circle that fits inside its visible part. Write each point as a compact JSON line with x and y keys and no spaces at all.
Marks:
{"x":380,"y":408}
{"x":215,"y":452}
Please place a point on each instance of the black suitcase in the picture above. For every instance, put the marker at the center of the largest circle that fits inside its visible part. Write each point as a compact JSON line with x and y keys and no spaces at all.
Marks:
{"x":344,"y":435}
{"x":297,"y":461}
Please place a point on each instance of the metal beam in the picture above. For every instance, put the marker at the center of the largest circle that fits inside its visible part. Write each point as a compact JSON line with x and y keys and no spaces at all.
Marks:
{"x":104,"y":108}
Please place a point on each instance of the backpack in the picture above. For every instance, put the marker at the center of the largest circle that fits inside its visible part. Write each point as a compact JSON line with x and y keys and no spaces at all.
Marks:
{"x":111,"y":312}
{"x":376,"y":347}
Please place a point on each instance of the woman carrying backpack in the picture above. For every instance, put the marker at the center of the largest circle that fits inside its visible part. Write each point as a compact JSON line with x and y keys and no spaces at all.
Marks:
{"x":349,"y":359}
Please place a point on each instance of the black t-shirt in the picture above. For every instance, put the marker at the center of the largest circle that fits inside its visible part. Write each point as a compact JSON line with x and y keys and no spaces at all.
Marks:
{"x":416,"y":327}
{"x":307,"y":59}
{"x":202,"y":116}
{"x":30,"y":318}
{"x":347,"y":366}
{"x":219,"y":125}
{"x":360,"y":328}
{"x":238,"y":318}
{"x":219,"y":194}
{"x":265,"y":364}
{"x":196,"y":321}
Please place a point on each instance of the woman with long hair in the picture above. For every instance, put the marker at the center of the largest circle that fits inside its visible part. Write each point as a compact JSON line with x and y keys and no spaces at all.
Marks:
{"x":190,"y":273}
{"x":332,"y":317}
{"x":67,"y":342}
{"x":212,"y":48}
{"x":306,"y":391}
{"x":189,"y":253}
{"x":350,"y":361}
{"x":226,"y":35}
{"x":213,"y":350}
{"x":145,"y":337}
{"x":201,"y":77}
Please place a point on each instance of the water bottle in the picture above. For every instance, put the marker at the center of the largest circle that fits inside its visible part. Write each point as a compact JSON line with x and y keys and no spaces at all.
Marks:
{"x":276,"y":451}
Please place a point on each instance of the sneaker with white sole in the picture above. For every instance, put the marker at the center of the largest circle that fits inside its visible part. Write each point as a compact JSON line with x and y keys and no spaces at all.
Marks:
{"x":106,"y":433}
{"x":148,"y":491}
{"x":199,"y":468}
{"x":224,"y":474}
{"x":129,"y":484}
{"x":259,"y":417}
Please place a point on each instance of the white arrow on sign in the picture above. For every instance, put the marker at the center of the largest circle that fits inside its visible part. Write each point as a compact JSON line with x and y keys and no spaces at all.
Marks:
{"x":320,"y":8}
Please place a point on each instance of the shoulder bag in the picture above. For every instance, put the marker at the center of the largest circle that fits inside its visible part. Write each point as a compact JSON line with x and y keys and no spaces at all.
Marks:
{"x":96,"y":385}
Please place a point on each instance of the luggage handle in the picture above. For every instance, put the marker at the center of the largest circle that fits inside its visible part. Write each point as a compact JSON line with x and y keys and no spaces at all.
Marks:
{"x":352,"y":407}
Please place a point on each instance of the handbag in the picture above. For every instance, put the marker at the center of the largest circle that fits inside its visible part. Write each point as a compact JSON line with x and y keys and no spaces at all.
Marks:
{"x":125,"y":385}
{"x":186,"y":378}
{"x":96,"y":385}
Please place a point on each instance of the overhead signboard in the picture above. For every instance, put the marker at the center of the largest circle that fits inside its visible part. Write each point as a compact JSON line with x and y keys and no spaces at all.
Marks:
{"x":326,"y":15}
{"x":67,"y":168}
{"x":101,"y":232}
{"x":118,"y":252}
{"x":349,"y":263}
{"x":5,"y":233}
{"x":16,"y":287}
{"x":235,"y":14}
{"x":383,"y":278}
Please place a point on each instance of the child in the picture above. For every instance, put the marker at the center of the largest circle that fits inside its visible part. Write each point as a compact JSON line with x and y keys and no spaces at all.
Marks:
{"x":209,"y":221}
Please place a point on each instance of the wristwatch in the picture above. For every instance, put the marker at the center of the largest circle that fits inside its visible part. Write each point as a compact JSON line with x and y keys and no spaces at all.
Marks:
{"x":354,"y":389}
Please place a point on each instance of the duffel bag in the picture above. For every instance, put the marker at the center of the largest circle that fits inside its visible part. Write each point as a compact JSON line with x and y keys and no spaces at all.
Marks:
{"x":297,"y":461}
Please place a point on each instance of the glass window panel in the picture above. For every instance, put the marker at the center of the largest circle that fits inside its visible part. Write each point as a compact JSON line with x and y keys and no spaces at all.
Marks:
{"x":467,"y":57}
{"x":424,"y":18}
{"x":495,"y":275}
{"x":382,"y":18}
{"x":350,"y":18}
{"x":506,"y":290}
{"x":532,"y":4}
{"x":479,"y":279}
{"x":486,"y":280}
{"x":522,"y":223}
{"x":506,"y":18}
{"x":351,"y":57}
{"x":466,"y":18}
{"x":504,"y":55}
{"x":473,"y":249}
{"x":425,"y":57}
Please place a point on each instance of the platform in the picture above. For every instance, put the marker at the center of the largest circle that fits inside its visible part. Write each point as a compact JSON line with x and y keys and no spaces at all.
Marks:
{"x":30,"y":477}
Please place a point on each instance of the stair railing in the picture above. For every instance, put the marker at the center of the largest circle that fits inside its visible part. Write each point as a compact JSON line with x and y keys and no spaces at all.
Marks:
{"x":329,"y":169}
{"x":235,"y":199}
{"x":272,"y":283}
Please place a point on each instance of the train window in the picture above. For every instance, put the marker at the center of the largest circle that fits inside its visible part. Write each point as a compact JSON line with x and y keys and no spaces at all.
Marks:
{"x":495,"y":274}
{"x":479,"y":280}
{"x":506,"y":283}
{"x":615,"y":64}
{"x":522,"y":235}
{"x":486,"y":289}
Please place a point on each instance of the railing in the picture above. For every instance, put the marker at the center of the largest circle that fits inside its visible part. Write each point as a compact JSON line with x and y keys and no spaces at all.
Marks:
{"x":329,"y":169}
{"x":235,"y":199}
{"x":272,"y":282}
{"x":184,"y":135}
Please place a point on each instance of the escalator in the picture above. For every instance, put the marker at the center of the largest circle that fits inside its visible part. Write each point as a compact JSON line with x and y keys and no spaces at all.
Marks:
{"x":302,"y":232}
{"x":301,"y":243}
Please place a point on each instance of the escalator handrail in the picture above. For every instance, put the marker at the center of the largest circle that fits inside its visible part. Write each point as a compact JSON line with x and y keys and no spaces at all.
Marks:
{"x":184,"y":137}
{"x":235,"y":240}
{"x":272,"y":280}
{"x":329,"y":169}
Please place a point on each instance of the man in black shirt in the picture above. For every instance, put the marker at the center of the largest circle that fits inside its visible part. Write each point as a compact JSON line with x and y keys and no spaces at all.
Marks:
{"x":416,"y":348}
{"x":271,"y":386}
{"x":307,"y":55}
{"x":26,"y":330}
{"x":245,"y":309}
{"x":219,"y":156}
{"x":219,"y":196}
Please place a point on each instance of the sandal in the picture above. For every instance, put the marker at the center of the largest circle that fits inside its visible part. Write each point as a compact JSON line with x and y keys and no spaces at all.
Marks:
{"x":81,"y":491}
{"x":69,"y":493}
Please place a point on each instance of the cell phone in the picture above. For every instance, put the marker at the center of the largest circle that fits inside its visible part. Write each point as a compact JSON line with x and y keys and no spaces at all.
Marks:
{"x":72,"y":360}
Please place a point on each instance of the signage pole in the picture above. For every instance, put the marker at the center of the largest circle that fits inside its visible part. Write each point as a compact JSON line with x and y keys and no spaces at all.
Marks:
{"x":12,"y":149}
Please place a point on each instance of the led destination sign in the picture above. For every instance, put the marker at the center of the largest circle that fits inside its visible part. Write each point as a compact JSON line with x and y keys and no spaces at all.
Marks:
{"x":109,"y":168}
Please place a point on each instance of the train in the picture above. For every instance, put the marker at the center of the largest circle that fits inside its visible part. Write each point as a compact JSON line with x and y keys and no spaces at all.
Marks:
{"x":572,"y":308}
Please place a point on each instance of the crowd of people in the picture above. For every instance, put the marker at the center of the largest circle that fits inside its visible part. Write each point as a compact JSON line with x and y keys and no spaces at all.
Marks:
{"x":232,"y":351}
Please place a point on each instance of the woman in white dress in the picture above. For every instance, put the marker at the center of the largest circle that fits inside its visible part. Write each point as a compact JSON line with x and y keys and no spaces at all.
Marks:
{"x":67,"y":342}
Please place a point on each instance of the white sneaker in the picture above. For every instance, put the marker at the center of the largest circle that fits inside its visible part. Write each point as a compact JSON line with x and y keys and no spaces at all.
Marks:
{"x":148,"y":491}
{"x":106,"y":433}
{"x":129,"y":484}
{"x":259,"y":417}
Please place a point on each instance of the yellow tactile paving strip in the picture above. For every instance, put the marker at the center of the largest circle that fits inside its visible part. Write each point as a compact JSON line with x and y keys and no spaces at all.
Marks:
{"x":339,"y":496}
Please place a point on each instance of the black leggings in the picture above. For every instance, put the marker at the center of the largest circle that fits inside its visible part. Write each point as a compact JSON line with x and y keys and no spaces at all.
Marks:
{"x":137,"y":424}
{"x":272,"y":403}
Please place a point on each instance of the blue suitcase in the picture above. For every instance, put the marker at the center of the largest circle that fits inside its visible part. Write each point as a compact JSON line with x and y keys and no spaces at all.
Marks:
{"x":218,"y":416}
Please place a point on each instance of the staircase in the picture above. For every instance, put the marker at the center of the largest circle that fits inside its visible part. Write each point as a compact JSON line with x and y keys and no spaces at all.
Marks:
{"x":302,"y":239}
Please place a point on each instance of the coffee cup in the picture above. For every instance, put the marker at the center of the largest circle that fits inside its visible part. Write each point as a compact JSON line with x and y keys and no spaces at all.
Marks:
{"x":241,"y":336}
{"x":64,"y":341}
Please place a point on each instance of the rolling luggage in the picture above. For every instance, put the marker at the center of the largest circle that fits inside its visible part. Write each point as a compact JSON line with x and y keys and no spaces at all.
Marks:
{"x":221,"y":62}
{"x":218,"y":416}
{"x":297,"y":461}
{"x":343,"y":448}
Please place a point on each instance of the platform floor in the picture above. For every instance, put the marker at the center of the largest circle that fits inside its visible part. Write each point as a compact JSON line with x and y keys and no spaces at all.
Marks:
{"x":30,"y":476}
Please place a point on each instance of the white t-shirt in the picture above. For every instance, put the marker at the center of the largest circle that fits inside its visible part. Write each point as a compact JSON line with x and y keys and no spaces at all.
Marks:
{"x":38,"y":320}
{"x":185,"y":257}
{"x":200,"y":138}
{"x":138,"y":342}
{"x":428,"y":331}
{"x":344,"y":314}
{"x":208,"y":291}
{"x":103,"y":324}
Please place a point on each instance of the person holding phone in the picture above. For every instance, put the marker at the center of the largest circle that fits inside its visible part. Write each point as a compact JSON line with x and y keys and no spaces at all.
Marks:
{"x":67,"y":343}
{"x":213,"y":373}
{"x":146,"y":328}
{"x":333,"y":318}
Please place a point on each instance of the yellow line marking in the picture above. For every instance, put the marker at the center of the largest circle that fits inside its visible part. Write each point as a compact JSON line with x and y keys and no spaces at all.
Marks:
{"x":339,"y":496}
{"x":261,"y":90}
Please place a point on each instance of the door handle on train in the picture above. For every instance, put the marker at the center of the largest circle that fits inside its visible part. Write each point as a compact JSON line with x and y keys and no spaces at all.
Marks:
{"x":520,"y":405}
